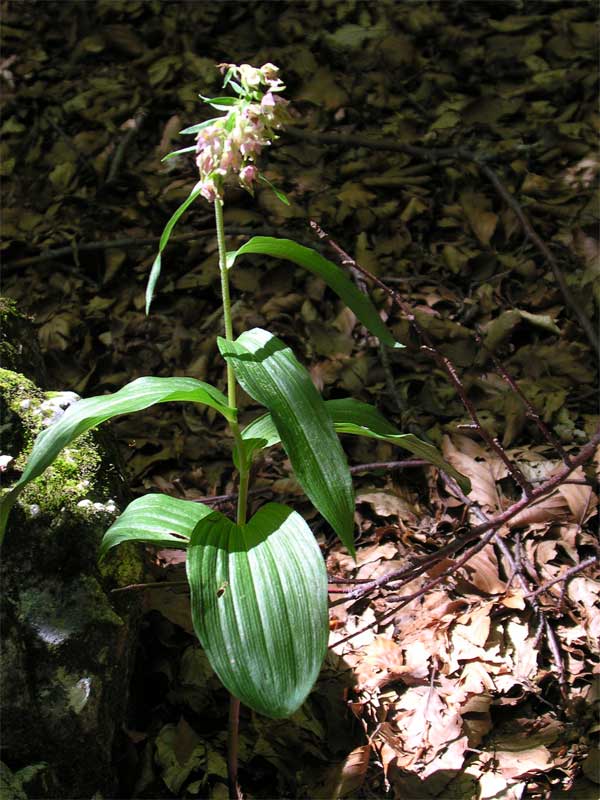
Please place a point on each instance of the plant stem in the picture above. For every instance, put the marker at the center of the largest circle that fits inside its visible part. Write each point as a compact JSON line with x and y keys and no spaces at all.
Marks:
{"x":225,"y":297}
{"x":232,"y":748}
{"x":244,"y":472}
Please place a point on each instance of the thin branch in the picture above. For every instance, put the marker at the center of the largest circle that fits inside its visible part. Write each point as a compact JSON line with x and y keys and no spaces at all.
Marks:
{"x":460,"y":154}
{"x":536,"y":240}
{"x":404,"y":464}
{"x":430,"y":348}
{"x":108,"y":244}
{"x":566,"y":575}
{"x":531,"y":412}
{"x":155,"y":585}
{"x":467,"y":556}
{"x":134,"y":128}
{"x":491,"y":525}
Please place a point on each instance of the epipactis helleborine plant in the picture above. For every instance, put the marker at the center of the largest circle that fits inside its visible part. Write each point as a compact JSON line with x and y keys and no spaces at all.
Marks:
{"x":258,"y":587}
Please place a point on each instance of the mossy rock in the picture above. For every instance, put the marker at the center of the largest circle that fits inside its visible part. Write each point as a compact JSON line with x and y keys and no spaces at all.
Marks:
{"x":19,"y":347}
{"x":67,"y":643}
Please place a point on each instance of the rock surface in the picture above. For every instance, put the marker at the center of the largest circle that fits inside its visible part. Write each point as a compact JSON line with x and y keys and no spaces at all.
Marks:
{"x":68,"y":645}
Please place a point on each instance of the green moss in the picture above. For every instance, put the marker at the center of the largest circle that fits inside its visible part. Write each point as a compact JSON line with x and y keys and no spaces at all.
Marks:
{"x":123,"y":564}
{"x":80,"y":482}
{"x":9,"y":352}
{"x":73,"y":475}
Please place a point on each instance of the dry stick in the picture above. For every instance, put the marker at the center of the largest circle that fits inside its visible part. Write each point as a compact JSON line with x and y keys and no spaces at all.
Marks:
{"x":535,"y":239}
{"x":430,"y":348}
{"x":530,"y":410}
{"x":406,"y":463}
{"x":467,"y":556}
{"x":459,"y":154}
{"x":108,"y":244}
{"x":383,"y":353}
{"x":566,"y":575}
{"x":156,"y":585}
{"x":516,"y":569}
{"x":235,"y":793}
{"x":119,"y":154}
{"x":493,"y":523}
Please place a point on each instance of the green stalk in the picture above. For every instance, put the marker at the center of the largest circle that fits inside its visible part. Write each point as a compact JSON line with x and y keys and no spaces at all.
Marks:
{"x":231,"y":382}
{"x":243,"y":466}
{"x":231,"y":385}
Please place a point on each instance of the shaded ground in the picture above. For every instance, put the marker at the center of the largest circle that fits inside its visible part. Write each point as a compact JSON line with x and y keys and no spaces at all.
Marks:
{"x":456,"y":693}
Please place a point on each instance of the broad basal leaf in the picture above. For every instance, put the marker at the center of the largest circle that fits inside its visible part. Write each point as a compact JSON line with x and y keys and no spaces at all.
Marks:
{"x":259,"y":606}
{"x":270,"y":373}
{"x":86,"y":414}
{"x":333,"y":276}
{"x":166,"y":234}
{"x":361,"y":419}
{"x":155,"y":519}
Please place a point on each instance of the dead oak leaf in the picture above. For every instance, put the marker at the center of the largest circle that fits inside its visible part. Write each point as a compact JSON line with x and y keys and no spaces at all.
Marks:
{"x":484,"y":469}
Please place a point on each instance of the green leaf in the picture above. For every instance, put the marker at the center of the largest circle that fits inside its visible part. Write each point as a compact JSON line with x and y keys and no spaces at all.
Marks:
{"x":270,"y":373}
{"x":89,"y":413}
{"x":156,"y":266}
{"x":333,"y":276}
{"x":259,"y":606}
{"x":221,"y":103}
{"x":277,"y":192}
{"x":178,"y":152}
{"x":155,"y":519}
{"x":360,"y":419}
{"x":198,"y":127}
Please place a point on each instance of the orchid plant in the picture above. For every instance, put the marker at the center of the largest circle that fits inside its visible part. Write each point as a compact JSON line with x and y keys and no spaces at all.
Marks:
{"x":258,"y":586}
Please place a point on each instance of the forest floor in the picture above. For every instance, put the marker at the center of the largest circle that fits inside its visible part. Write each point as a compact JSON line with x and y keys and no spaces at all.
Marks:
{"x":486,"y":684}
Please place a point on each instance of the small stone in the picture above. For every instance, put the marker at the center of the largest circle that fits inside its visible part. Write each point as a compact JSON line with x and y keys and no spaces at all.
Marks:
{"x":25,"y":404}
{"x":4,"y":462}
{"x":34,"y":510}
{"x":84,"y":504}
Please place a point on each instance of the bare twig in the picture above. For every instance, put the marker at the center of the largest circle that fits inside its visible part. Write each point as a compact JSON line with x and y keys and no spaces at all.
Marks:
{"x":536,"y":240}
{"x":134,"y":126}
{"x":436,"y":154}
{"x":108,"y":244}
{"x":430,"y":348}
{"x":530,"y":410}
{"x":233,"y":734}
{"x":566,"y":575}
{"x":404,"y":464}
{"x":490,"y":526}
{"x":156,"y":585}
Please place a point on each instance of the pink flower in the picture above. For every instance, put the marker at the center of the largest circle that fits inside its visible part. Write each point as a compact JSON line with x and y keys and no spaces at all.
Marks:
{"x":248,"y":175}
{"x":228,"y":147}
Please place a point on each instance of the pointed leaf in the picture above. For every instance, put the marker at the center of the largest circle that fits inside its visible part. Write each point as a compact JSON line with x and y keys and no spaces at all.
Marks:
{"x":155,"y":519}
{"x":198,"y":127}
{"x":86,"y":414}
{"x":259,"y":606}
{"x":360,"y":419}
{"x":333,"y":276}
{"x":178,"y":152}
{"x":270,"y":373}
{"x":281,"y":196}
{"x":156,"y":266}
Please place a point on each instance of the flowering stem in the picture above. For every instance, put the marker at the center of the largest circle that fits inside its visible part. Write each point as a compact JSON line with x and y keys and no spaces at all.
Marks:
{"x":231,"y":385}
{"x":244,"y":473}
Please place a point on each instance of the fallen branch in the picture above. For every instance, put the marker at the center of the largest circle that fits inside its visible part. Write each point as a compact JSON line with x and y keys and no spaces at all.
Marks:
{"x":436,"y":154}
{"x":430,"y":348}
{"x":532,"y":414}
{"x":567,"y":575}
{"x":109,"y":244}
